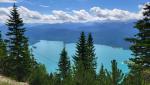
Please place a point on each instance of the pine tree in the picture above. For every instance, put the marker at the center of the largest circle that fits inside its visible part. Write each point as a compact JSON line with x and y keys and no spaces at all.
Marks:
{"x":57,"y":79}
{"x":51,"y":79}
{"x":141,"y":47}
{"x":20,"y":63}
{"x":39,"y":76}
{"x":91,"y":54}
{"x":91,"y":61}
{"x":102,"y":78}
{"x":85,"y":61}
{"x":64,"y":65}
{"x":132,"y":80}
{"x":141,"y":42}
{"x":3,"y":54}
{"x":80,"y":61}
{"x":116,"y":76}
{"x":81,"y":52}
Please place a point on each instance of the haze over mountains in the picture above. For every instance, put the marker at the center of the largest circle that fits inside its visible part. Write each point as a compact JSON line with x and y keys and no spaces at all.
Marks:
{"x":48,"y":40}
{"x":109,"y":39}
{"x":105,"y":33}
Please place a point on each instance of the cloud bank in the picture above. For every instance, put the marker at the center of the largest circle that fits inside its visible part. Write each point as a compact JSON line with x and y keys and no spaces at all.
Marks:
{"x":94,"y":14}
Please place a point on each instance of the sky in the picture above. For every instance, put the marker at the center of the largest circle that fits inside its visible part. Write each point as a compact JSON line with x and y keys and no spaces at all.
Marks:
{"x":60,"y":11}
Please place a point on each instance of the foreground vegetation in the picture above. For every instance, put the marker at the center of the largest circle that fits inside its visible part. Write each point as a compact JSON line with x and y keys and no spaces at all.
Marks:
{"x":8,"y":81}
{"x":17,"y":61}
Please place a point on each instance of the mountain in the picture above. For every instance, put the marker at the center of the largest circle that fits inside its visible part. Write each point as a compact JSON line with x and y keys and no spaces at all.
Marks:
{"x":105,"y":33}
{"x":48,"y":40}
{"x":48,"y":53}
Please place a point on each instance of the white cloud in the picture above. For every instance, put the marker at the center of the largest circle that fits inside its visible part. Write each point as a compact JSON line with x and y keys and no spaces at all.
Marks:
{"x":95,"y":14}
{"x":114,"y":14}
{"x":7,"y":1}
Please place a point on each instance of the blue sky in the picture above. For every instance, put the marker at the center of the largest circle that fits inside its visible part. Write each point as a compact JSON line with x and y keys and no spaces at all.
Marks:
{"x":46,"y":6}
{"x":74,"y":10}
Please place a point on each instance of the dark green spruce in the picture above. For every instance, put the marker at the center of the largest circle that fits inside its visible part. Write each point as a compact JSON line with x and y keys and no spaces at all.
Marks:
{"x":91,"y":60}
{"x":20,"y":62}
{"x":116,"y":75}
{"x":85,"y":61}
{"x":64,"y":64}
{"x":80,"y":61}
{"x":91,"y":54}
{"x":141,"y":41}
{"x":3,"y":55}
{"x":102,"y":77}
{"x":140,"y":63}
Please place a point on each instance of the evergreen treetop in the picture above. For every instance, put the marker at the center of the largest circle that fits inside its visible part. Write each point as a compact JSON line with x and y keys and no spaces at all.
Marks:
{"x":64,"y":64}
{"x":20,"y":61}
{"x":141,"y":42}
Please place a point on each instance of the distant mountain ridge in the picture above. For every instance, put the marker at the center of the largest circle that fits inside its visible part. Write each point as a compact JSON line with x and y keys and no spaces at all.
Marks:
{"x":106,"y":33}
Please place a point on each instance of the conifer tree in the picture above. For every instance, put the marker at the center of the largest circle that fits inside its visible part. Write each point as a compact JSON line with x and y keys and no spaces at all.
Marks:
{"x":91,"y":60}
{"x":57,"y":79}
{"x":132,"y":80}
{"x":81,"y":52}
{"x":39,"y":76}
{"x":85,"y":61}
{"x":64,"y":65}
{"x":51,"y":79}
{"x":80,"y":61}
{"x":91,"y":54}
{"x":20,"y":63}
{"x":116,"y":76}
{"x":141,"y":47}
{"x":3,"y":54}
{"x":141,"y":42}
{"x":102,"y":78}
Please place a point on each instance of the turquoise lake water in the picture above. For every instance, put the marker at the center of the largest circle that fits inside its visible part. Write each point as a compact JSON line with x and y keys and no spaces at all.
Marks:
{"x":48,"y":53}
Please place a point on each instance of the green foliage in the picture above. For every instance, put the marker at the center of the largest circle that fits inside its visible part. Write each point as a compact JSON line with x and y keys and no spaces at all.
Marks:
{"x":116,"y":76}
{"x":81,"y":52}
{"x":3,"y":54}
{"x":141,"y":42}
{"x":141,"y":47}
{"x":64,"y":65}
{"x":102,"y":77}
{"x":39,"y":76}
{"x":80,"y":59}
{"x":85,"y":61}
{"x":19,"y":62}
{"x":91,"y":53}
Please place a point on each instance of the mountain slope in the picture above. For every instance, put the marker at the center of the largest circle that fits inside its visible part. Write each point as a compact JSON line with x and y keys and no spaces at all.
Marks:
{"x":105,"y":33}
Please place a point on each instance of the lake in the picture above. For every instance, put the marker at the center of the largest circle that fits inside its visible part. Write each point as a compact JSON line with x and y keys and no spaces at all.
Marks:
{"x":48,"y":53}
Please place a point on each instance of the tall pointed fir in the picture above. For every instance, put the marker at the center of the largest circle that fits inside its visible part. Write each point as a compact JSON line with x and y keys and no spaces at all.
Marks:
{"x":80,"y":61}
{"x":141,"y":41}
{"x":3,"y":54}
{"x":141,"y":46}
{"x":64,"y":65}
{"x":116,"y":76}
{"x":102,"y":78}
{"x":81,"y":52}
{"x":19,"y":55}
{"x":91,"y":54}
{"x":91,"y":60}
